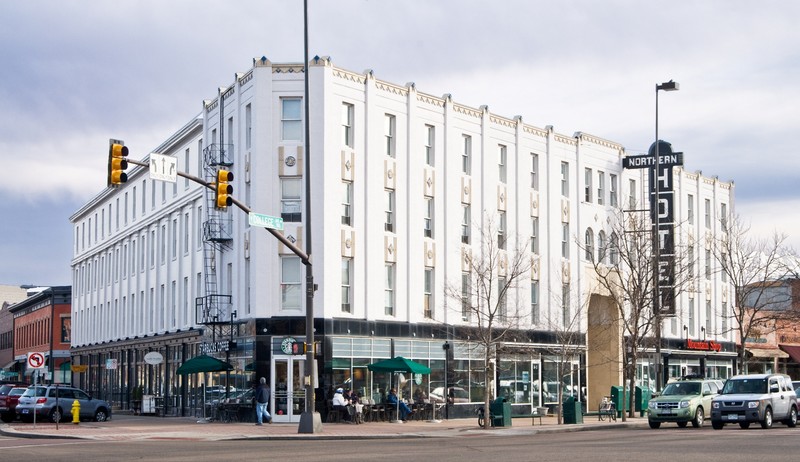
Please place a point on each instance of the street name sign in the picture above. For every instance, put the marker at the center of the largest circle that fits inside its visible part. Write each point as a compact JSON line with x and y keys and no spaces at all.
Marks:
{"x":266,"y":221}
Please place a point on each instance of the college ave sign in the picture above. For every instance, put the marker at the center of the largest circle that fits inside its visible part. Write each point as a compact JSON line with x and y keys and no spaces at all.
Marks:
{"x":662,"y":215}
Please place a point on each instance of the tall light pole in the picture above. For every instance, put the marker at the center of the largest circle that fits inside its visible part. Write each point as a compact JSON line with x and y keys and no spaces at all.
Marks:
{"x":666,"y":86}
{"x":310,"y":420}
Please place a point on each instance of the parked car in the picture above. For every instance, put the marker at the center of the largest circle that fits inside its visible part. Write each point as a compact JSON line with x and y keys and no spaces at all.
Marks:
{"x":460,"y":395}
{"x":54,"y":403}
{"x":8,"y":403}
{"x":683,"y":401}
{"x":761,"y":398}
{"x":796,"y":386}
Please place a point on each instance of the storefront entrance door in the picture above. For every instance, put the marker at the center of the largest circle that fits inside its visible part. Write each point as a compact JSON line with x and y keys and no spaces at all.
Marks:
{"x":288,"y":392}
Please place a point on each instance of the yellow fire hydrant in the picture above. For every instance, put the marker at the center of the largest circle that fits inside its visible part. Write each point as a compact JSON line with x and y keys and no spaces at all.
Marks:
{"x":76,"y":412}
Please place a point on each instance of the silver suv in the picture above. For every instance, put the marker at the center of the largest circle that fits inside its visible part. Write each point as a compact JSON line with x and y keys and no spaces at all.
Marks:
{"x":55,"y":404}
{"x":761,"y":398}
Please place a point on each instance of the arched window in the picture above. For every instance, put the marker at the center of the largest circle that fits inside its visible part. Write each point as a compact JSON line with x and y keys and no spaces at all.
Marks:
{"x":601,"y":247}
{"x":589,"y":244}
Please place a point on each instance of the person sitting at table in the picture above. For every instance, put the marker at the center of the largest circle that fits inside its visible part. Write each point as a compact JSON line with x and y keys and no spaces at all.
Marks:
{"x":419,"y":395}
{"x":392,"y":401}
{"x":340,"y":404}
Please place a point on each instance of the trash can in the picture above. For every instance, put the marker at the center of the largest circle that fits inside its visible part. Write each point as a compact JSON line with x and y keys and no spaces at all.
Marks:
{"x":641,"y":397}
{"x":501,"y":412}
{"x":620,"y":402}
{"x":572,"y":411}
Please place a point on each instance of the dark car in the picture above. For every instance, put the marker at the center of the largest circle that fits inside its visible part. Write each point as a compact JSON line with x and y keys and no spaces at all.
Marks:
{"x":54,"y":403}
{"x":9,"y":398}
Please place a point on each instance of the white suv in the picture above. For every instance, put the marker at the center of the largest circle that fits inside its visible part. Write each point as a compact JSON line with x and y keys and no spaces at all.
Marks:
{"x":759,"y":398}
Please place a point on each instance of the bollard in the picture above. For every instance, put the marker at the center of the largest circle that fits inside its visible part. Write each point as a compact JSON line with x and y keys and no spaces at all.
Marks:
{"x":76,"y":412}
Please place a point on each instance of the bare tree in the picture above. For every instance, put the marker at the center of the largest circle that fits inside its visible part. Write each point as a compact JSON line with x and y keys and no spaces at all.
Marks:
{"x":625,"y":271}
{"x":570,"y":340}
{"x":487,"y":294}
{"x":754,"y":267}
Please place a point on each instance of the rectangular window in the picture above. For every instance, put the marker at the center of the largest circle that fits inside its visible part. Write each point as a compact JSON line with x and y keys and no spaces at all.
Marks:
{"x":291,"y":120}
{"x":708,"y":213}
{"x":631,"y":193}
{"x":501,"y":163}
{"x":428,"y":294}
{"x":612,"y":192}
{"x":428,"y":220}
{"x":430,"y":139}
{"x":290,"y":199}
{"x":163,"y":242}
{"x":564,"y":179}
{"x":248,"y":128}
{"x":174,"y":238}
{"x":587,"y":185}
{"x":466,"y":155}
{"x":133,"y":207}
{"x":708,"y":264}
{"x":465,"y":223}
{"x":501,"y":231}
{"x":691,"y":316}
{"x":186,"y":155}
{"x":723,"y":217}
{"x":535,"y":235}
{"x":388,"y":290}
{"x":186,"y":233}
{"x":347,"y":124}
{"x":601,"y":187}
{"x":388,"y":225}
{"x":534,"y":302}
{"x":565,"y":240}
{"x":690,"y":209}
{"x":466,"y":308}
{"x":290,"y":283}
{"x":724,"y":268}
{"x":709,"y":318}
{"x":723,"y":314}
{"x":347,"y":276}
{"x":535,"y":171}
{"x":502,"y":291}
{"x":690,"y":260}
{"x":347,"y":200}
{"x":565,"y":306}
{"x":389,"y":132}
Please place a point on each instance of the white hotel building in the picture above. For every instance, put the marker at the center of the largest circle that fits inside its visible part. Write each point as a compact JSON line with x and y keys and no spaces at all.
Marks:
{"x":401,"y":181}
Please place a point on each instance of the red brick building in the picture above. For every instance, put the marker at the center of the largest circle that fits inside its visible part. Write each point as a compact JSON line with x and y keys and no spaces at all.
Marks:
{"x":43,"y":324}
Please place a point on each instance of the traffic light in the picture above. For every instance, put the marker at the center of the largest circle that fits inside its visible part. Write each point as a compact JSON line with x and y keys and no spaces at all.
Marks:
{"x":117,"y":152}
{"x":298,"y":348}
{"x":224,"y":189}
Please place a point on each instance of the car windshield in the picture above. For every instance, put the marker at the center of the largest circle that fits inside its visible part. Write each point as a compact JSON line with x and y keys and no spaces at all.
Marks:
{"x":679,"y":388}
{"x":745,"y":386}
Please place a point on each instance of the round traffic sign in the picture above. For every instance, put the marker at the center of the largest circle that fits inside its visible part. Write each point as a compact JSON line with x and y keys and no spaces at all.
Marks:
{"x":36,"y":360}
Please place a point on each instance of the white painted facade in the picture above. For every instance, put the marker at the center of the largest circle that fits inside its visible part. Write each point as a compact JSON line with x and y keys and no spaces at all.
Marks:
{"x":138,"y":260}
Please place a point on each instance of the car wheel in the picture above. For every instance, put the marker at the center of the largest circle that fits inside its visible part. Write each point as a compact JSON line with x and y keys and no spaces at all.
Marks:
{"x":55,"y":415}
{"x":792,"y":420}
{"x":717,"y":425}
{"x":699,"y":418}
{"x":654,"y":425}
{"x":744,"y":425}
{"x":101,"y":415}
{"x":7,"y":417}
{"x":682,"y":424}
{"x":767,"y":422}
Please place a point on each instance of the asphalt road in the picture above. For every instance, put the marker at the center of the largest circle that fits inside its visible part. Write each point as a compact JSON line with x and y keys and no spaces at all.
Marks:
{"x":670,"y":443}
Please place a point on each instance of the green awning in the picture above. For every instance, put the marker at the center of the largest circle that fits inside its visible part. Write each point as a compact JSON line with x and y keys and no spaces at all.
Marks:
{"x":399,"y":364}
{"x":203,"y":363}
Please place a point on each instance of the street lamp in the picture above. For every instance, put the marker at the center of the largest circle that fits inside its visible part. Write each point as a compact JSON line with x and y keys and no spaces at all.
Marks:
{"x":666,"y":86}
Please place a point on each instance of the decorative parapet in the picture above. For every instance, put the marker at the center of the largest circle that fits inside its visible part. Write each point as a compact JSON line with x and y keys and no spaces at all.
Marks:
{"x":391,"y":88}
{"x":466,"y":110}
{"x":350,"y":76}
{"x":599,"y":141}
{"x":502,"y":121}
{"x":430,"y":99}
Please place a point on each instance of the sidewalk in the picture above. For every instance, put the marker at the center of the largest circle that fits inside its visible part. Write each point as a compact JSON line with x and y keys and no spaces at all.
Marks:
{"x":127,"y":428}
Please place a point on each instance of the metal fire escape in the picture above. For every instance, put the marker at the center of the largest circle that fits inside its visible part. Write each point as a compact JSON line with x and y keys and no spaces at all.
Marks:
{"x":215,"y":309}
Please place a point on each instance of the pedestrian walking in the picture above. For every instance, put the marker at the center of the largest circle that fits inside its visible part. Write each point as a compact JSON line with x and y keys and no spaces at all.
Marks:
{"x":262,"y":400}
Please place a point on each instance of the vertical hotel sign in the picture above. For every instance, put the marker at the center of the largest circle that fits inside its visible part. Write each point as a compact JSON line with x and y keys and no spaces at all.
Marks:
{"x":662,"y":215}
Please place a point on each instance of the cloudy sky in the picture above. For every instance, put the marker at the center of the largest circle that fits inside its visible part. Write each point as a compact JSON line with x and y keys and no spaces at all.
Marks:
{"x":75,"y":73}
